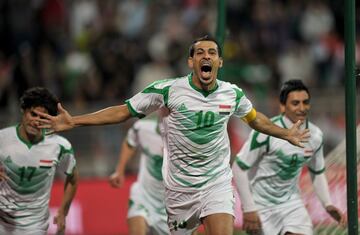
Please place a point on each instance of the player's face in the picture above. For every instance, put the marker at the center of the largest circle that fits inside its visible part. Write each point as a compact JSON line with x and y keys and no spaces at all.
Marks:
{"x":205,"y":63}
{"x":297,"y":106}
{"x":29,"y":122}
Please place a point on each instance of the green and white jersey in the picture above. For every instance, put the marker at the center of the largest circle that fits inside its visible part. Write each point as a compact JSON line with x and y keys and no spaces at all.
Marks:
{"x":275,"y":165}
{"x":145,"y":134}
{"x":197,"y":147}
{"x":30,"y":168}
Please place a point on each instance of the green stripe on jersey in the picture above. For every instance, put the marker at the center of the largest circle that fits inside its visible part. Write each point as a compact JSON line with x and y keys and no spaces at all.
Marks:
{"x":132,"y":110}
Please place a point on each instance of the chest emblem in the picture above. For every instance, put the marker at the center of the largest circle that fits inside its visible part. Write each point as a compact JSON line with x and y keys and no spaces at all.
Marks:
{"x":224,"y":109}
{"x":46,"y":163}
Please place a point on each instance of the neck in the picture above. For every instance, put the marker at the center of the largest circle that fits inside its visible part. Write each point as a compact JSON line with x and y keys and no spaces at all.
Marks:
{"x":28,"y":137}
{"x":206,"y":87}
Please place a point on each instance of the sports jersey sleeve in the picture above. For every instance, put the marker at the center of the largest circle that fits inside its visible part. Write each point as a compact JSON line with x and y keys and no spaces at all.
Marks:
{"x":243,"y":104}
{"x":67,"y":161}
{"x":317,"y":163}
{"x":255,"y":146}
{"x":150,"y":99}
{"x":131,"y":136}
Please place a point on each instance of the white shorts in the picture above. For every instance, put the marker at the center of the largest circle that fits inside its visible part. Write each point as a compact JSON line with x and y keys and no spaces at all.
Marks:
{"x":185,"y":210}
{"x":141,"y":203}
{"x":287,"y":217}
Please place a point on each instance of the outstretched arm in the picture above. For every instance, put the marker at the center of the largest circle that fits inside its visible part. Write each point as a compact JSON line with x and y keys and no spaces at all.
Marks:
{"x":264,"y":125}
{"x":251,"y":220}
{"x":64,"y":121}
{"x":321,"y":189}
{"x":116,"y":180}
{"x":70,"y":187}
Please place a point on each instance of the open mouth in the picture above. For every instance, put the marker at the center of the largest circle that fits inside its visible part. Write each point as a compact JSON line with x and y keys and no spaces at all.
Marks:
{"x":205,"y":68}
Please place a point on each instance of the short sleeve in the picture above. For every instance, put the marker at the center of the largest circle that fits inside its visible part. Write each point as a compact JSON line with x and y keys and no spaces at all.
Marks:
{"x":255,"y":146}
{"x":150,"y":99}
{"x":67,"y":161}
{"x":243,"y":104}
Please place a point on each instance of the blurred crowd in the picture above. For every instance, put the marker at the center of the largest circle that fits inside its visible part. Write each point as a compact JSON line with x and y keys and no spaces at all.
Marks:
{"x":87,"y":51}
{"x":90,"y":50}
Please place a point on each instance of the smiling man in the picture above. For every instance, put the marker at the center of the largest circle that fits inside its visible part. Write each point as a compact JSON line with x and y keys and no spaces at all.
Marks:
{"x":274,"y":167}
{"x":196,"y":170}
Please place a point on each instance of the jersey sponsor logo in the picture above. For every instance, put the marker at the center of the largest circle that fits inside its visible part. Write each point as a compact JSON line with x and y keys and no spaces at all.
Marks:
{"x":224,"y":109}
{"x":46,"y":163}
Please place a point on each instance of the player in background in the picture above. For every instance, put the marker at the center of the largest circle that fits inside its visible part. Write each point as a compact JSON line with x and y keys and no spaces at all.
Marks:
{"x":196,"y":170}
{"x":29,"y":160}
{"x":146,"y":214}
{"x":267,"y":171}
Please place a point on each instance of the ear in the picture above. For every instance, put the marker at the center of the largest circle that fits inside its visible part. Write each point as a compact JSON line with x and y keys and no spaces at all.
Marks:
{"x":221,"y":62}
{"x":282,"y":108}
{"x":190,"y":62}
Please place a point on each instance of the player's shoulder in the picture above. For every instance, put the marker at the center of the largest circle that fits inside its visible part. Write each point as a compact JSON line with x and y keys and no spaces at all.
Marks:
{"x":316,"y":132}
{"x":8,"y":134}
{"x":58,"y":140}
{"x":7,"y":130}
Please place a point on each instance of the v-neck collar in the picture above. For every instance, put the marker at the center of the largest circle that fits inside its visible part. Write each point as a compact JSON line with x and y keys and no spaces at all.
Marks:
{"x":203,"y":92}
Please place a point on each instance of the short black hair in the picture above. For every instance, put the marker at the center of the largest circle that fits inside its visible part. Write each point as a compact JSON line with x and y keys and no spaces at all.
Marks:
{"x":204,"y":38}
{"x":39,"y":97}
{"x":289,"y":86}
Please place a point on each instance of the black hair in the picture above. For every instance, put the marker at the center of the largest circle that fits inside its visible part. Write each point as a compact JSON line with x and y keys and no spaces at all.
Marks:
{"x":289,"y":86}
{"x":204,"y":38}
{"x":39,"y":97}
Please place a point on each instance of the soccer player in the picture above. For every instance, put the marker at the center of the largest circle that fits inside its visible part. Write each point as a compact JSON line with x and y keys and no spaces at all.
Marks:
{"x":29,"y":160}
{"x":267,"y":171}
{"x":196,"y":170}
{"x":146,"y":212}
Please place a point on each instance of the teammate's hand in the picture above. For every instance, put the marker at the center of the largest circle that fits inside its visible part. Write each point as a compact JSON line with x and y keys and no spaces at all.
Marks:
{"x":116,"y":180}
{"x":252,"y":223}
{"x":298,"y":137}
{"x":59,"y":220}
{"x":337,"y":215}
{"x":61,"y":122}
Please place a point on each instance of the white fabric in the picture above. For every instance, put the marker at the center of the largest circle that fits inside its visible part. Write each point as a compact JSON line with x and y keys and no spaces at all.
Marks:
{"x":288,"y":217}
{"x":275,"y":165}
{"x":243,"y":188}
{"x":25,"y":196}
{"x":185,"y":210}
{"x":196,"y":150}
{"x":321,"y":188}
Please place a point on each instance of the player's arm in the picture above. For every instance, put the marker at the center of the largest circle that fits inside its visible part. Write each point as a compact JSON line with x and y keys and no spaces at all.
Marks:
{"x":116,"y":179}
{"x":263,"y":124}
{"x":64,"y":121}
{"x":70,"y":188}
{"x":251,"y":219}
{"x":321,"y":189}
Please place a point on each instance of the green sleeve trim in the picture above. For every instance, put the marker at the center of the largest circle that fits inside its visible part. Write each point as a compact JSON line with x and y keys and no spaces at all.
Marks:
{"x":132,"y":110}
{"x":242,"y":165}
{"x":255,"y":144}
{"x":316,"y":172}
{"x":239,"y":95}
{"x":64,"y":150}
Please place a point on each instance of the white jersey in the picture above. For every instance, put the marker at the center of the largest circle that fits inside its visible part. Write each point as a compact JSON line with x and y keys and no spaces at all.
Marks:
{"x":197,"y":148}
{"x":276,"y":164}
{"x":145,"y":134}
{"x":30,"y":168}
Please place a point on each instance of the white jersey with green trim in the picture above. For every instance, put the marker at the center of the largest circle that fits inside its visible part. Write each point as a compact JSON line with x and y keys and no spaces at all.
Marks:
{"x":30,"y":168}
{"x":196,"y":143}
{"x":275,"y":165}
{"x":145,"y":134}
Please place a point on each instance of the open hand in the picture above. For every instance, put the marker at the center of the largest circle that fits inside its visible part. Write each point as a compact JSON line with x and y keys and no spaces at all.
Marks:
{"x":252,"y":223}
{"x":116,"y":180}
{"x":298,"y":137}
{"x":61,"y":122}
{"x":337,"y":215}
{"x":59,"y":220}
